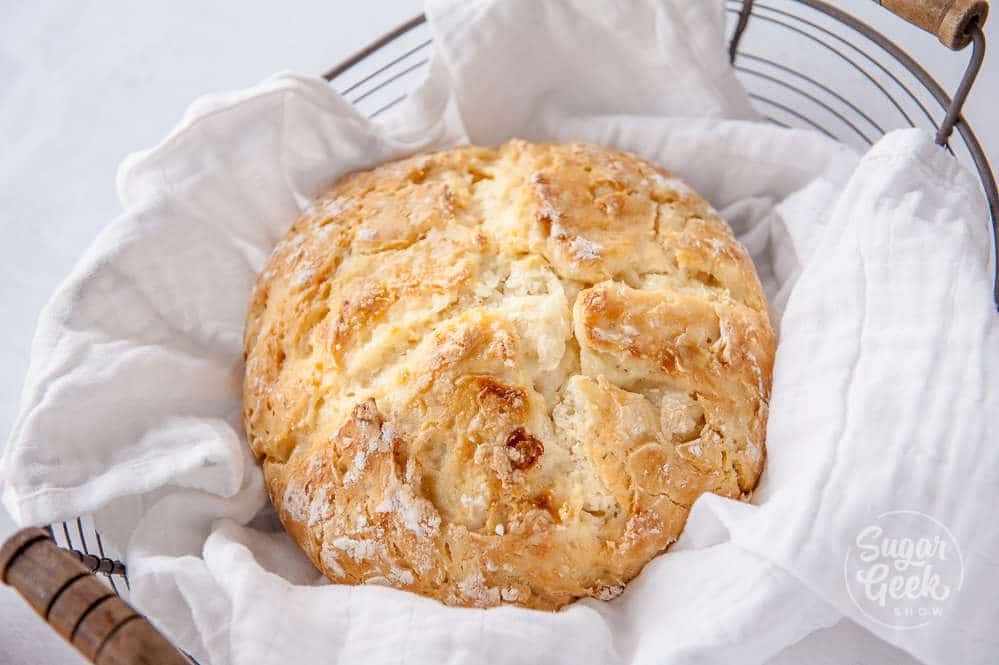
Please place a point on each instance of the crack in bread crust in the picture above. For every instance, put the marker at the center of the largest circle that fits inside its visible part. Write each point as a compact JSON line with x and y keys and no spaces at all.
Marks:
{"x":503,"y":375}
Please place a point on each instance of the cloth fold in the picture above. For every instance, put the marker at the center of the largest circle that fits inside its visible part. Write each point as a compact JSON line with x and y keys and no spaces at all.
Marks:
{"x":877,"y":272}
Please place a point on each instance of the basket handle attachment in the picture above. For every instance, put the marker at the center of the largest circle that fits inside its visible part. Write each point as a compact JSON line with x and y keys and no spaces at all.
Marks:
{"x":78,"y":606}
{"x":951,"y":21}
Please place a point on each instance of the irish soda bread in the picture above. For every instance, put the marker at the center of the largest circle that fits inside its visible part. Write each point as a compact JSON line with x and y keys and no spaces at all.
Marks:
{"x":503,"y":375}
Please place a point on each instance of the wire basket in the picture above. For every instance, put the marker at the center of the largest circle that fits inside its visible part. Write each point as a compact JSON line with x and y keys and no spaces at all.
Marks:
{"x":796,"y":59}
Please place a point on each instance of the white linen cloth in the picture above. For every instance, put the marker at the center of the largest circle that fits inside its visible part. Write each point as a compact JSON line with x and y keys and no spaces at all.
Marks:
{"x":876,"y":267}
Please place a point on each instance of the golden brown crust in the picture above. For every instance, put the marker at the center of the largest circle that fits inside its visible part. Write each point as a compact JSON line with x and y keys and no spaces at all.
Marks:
{"x":503,"y":375}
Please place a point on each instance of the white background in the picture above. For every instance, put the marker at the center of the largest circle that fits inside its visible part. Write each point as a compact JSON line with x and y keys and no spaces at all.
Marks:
{"x":82,"y":84}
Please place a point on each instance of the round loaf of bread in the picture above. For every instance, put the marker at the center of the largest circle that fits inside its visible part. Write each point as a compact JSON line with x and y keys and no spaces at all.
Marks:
{"x":503,"y":375}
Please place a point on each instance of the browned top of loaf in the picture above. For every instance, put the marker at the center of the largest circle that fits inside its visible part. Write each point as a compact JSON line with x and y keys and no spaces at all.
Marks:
{"x":503,"y":375}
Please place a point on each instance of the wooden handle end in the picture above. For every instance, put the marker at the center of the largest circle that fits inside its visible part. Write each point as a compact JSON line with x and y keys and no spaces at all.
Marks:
{"x":949,"y":20}
{"x":78,"y":606}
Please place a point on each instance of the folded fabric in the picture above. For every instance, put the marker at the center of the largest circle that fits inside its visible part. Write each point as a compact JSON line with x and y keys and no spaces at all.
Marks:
{"x":876,"y":268}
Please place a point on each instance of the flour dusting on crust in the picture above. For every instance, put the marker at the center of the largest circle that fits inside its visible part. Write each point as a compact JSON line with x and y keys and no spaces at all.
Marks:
{"x":504,"y":375}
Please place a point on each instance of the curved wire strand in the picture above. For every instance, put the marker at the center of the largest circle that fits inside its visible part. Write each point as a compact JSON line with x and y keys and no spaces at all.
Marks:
{"x":816,"y":100}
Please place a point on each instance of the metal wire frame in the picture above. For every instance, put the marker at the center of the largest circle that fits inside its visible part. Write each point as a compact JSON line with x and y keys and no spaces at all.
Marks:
{"x":866,"y":60}
{"x":952,"y":107}
{"x":752,"y":65}
{"x":98,"y":563}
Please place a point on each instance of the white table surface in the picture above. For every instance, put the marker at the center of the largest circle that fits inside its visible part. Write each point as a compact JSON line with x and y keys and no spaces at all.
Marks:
{"x":84,"y":83}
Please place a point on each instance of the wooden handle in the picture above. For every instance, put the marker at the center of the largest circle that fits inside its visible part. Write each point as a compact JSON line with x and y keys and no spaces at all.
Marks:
{"x":949,"y":20}
{"x":78,"y":606}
